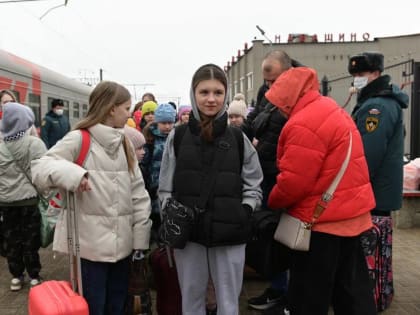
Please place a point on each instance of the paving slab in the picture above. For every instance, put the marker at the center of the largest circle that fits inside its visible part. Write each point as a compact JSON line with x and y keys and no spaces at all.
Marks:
{"x":406,"y":260}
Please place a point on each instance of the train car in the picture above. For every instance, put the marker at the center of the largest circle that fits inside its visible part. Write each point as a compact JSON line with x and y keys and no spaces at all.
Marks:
{"x":37,"y":86}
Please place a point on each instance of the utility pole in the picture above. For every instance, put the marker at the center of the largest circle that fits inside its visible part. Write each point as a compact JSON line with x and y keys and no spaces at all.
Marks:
{"x":263,"y":34}
{"x":101,"y":71}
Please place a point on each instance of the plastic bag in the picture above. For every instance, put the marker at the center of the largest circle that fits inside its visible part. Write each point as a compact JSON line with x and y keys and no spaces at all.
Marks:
{"x":49,"y":209}
{"x":412,"y":175}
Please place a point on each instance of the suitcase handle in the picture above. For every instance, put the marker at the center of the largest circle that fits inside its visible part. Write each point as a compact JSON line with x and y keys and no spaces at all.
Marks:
{"x":73,"y":244}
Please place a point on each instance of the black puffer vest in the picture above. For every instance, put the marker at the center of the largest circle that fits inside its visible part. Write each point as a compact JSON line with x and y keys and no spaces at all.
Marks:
{"x":224,"y":220}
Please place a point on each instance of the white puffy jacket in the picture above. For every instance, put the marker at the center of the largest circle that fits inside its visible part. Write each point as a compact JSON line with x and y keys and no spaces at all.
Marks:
{"x":15,"y":161}
{"x":113,"y":218}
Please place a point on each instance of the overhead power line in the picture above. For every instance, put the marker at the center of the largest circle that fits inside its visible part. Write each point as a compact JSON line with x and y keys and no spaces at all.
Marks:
{"x":57,"y":6}
{"x":14,"y":1}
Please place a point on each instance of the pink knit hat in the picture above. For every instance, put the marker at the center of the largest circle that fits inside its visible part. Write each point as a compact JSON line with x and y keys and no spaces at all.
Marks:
{"x":135,"y":136}
{"x":183,"y":109}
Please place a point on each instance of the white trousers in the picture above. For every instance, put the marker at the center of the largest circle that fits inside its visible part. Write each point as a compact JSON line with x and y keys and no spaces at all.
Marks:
{"x":225,"y":264}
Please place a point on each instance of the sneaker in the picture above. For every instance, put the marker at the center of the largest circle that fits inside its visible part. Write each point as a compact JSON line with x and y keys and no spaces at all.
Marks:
{"x":34,"y":282}
{"x":16,"y":284}
{"x":278,"y":309}
{"x":268,"y":299}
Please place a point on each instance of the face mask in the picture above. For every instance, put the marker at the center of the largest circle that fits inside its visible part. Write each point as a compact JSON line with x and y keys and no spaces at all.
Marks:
{"x":360,"y":82}
{"x":59,"y":112}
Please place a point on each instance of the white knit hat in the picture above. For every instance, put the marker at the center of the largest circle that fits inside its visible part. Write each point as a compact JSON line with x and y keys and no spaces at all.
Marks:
{"x":237,"y":107}
{"x":239,"y":97}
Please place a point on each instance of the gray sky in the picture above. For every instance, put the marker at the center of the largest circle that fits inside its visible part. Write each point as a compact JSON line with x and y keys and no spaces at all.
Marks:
{"x":161,"y":43}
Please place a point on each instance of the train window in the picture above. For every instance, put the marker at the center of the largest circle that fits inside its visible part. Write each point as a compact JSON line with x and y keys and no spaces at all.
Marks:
{"x":34,"y":102}
{"x":66,"y":108}
{"x":76,"y":110}
{"x":50,"y":99}
{"x":85,"y":110}
{"x":17,"y":95}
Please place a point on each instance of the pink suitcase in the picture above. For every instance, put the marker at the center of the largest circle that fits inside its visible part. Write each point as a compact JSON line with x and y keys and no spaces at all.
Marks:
{"x":56,"y":298}
{"x":61,"y":297}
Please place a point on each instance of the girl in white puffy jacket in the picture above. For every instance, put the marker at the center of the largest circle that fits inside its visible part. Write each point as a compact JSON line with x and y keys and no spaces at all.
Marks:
{"x":19,"y":214}
{"x":113,"y":205}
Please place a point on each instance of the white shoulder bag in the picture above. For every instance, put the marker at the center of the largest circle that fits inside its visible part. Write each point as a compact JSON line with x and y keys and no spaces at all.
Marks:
{"x":295,"y":233}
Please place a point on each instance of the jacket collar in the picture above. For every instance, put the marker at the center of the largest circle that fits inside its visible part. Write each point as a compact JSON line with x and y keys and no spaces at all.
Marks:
{"x":109,"y":138}
{"x":219,"y":125}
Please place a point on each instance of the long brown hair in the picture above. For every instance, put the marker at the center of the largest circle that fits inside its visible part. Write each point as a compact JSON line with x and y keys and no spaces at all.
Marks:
{"x":103,"y":97}
{"x":8,"y":92}
{"x":208,"y":72}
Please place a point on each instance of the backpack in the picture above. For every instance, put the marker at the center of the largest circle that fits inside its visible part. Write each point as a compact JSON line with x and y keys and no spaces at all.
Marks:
{"x":84,"y":148}
{"x":237,"y":133}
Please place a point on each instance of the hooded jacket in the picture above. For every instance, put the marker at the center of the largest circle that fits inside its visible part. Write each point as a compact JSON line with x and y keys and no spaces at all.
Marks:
{"x":113,"y":218}
{"x":16,"y":154}
{"x":153,"y":158}
{"x":311,"y":149}
{"x":379,"y":118}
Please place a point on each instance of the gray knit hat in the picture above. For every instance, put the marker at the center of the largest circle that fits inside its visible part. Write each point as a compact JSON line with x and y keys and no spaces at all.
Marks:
{"x":16,"y":118}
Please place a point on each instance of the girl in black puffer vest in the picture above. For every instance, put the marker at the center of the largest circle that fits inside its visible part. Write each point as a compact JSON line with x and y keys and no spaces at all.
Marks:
{"x":217,"y":247}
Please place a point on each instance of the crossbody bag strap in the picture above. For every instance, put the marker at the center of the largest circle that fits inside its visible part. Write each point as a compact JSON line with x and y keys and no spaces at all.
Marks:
{"x":222,"y":148}
{"x":328,"y":195}
{"x":21,"y":168}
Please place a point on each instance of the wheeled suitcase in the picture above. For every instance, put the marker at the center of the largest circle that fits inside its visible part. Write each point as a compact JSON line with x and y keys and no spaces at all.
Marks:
{"x":168,"y":293}
{"x":61,"y":297}
{"x":377,"y":245}
{"x":139,"y":300}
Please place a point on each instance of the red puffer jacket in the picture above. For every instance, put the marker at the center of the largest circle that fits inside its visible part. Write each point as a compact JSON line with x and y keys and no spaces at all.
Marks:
{"x":311,"y":149}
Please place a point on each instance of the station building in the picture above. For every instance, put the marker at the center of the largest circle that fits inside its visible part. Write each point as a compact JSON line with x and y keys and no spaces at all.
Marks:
{"x":330,"y":59}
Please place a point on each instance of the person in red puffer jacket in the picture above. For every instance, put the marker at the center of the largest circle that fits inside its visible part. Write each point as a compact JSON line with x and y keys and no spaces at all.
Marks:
{"x":311,"y":150}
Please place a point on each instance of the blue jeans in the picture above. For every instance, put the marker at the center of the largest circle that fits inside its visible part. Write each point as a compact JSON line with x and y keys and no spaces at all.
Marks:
{"x":105,"y":286}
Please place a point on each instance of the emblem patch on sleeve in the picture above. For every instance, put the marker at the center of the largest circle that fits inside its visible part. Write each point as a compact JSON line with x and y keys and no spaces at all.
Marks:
{"x":371,"y":123}
{"x":374,"y":111}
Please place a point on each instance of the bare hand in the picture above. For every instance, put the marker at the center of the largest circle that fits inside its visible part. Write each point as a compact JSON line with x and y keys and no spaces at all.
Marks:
{"x":84,"y":185}
{"x":254,"y":142}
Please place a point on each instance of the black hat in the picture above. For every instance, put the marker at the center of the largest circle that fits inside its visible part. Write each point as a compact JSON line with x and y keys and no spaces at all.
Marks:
{"x":57,"y":102}
{"x":366,"y":61}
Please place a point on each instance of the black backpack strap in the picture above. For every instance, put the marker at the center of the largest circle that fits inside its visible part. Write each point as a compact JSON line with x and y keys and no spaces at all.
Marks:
{"x":179,"y":134}
{"x":239,"y":137}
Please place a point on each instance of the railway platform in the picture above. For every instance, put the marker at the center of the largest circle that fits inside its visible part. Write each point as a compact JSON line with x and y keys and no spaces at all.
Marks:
{"x":406,"y":262}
